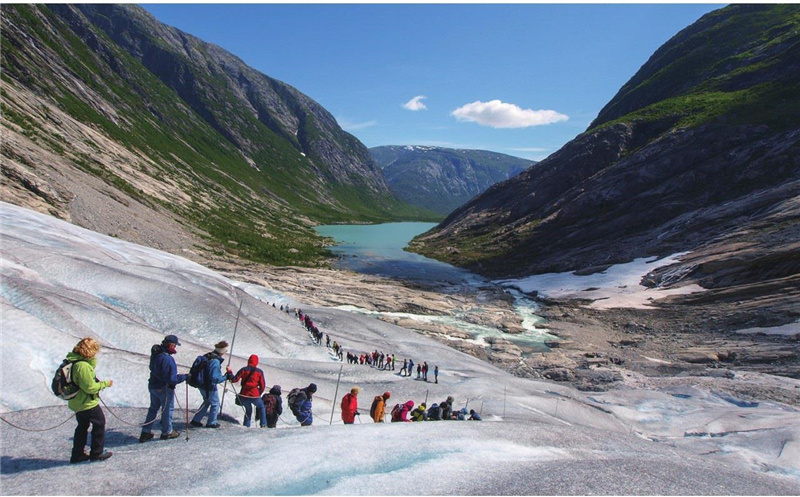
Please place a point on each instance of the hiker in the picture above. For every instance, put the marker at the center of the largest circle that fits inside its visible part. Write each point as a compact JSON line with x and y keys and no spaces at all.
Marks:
{"x":447,"y":408}
{"x":419,"y":413}
{"x":425,"y":371}
{"x":474,"y":416}
{"x":461,"y":415}
{"x":161,"y":384}
{"x":434,"y":413}
{"x":350,"y":406}
{"x":419,"y":370}
{"x":400,"y":412}
{"x":86,"y":404}
{"x":208,"y":375}
{"x":378,"y":409}
{"x":436,"y":374}
{"x":404,"y":368}
{"x":253,"y":386}
{"x":273,"y":405}
{"x":410,"y":367}
{"x":394,"y":359}
{"x":300,"y":404}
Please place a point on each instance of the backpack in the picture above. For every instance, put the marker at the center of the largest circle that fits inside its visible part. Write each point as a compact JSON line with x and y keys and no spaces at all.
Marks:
{"x":374,"y":406}
{"x":434,"y":413}
{"x":396,"y":413}
{"x":62,"y":385}
{"x":292,"y":400}
{"x":197,"y":372}
{"x":270,"y":403}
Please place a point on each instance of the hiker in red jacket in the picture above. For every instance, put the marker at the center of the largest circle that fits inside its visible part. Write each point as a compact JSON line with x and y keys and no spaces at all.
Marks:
{"x":350,"y":406}
{"x":253,"y":386}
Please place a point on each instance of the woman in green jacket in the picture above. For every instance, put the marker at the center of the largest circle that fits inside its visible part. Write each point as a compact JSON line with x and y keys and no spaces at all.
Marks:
{"x":86,"y":404}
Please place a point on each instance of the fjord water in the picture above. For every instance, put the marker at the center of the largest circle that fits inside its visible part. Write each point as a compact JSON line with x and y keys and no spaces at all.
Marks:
{"x":377,"y":249}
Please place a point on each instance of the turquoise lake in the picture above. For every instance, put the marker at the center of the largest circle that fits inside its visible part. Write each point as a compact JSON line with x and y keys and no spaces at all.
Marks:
{"x":378,"y":249}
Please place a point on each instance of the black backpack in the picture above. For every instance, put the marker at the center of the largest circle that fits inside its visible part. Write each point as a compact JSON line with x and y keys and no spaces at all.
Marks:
{"x":292,"y":400}
{"x":197,"y":373}
{"x":62,"y":385}
{"x":435,"y":413}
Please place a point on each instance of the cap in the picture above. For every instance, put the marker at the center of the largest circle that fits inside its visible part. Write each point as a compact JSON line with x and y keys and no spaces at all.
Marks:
{"x":312,"y":387}
{"x":171,"y":339}
{"x":386,"y":395}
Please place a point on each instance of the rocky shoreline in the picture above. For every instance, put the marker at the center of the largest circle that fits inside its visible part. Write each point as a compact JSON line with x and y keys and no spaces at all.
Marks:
{"x":598,"y":349}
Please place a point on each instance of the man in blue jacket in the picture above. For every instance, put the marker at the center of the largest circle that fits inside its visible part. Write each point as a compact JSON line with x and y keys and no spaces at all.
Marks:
{"x":211,"y":377}
{"x":163,"y":378}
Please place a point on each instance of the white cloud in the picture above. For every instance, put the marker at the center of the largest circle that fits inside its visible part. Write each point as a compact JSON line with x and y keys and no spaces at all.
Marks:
{"x":353,"y":126}
{"x":498,"y":114}
{"x":415,"y":103}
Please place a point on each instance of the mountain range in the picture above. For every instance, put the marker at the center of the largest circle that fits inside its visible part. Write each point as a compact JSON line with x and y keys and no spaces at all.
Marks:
{"x":698,"y":152}
{"x":441,"y":179}
{"x":124,"y":125}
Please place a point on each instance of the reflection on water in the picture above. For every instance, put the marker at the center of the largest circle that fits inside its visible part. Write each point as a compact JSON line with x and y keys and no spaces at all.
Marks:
{"x":378,"y":250}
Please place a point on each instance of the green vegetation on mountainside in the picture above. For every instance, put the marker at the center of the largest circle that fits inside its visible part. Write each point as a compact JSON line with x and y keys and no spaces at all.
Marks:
{"x":735,"y":64}
{"x":247,"y":206}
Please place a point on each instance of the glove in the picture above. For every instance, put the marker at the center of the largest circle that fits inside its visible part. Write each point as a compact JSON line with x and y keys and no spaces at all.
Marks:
{"x":229,"y":375}
{"x":228,"y":370}
{"x":358,"y":413}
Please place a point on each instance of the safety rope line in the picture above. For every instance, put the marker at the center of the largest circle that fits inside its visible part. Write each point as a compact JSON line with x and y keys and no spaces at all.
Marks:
{"x":125,"y":422}
{"x":37,"y":431}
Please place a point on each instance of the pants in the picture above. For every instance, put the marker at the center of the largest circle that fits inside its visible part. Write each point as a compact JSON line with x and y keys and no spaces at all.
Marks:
{"x":248,"y":410}
{"x":160,"y":397}
{"x":97,"y":419}
{"x":210,"y":406}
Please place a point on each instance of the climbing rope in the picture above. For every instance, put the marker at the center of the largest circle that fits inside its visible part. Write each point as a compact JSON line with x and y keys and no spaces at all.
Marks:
{"x":37,"y":431}
{"x":122,"y":420}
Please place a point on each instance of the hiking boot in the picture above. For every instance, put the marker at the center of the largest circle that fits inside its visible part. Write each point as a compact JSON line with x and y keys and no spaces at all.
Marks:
{"x":144,"y":437}
{"x":80,"y":458}
{"x":216,"y":425}
{"x":171,"y":435}
{"x":196,"y":424}
{"x":102,"y":457}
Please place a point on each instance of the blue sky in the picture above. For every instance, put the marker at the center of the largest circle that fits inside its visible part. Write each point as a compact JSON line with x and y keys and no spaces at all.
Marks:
{"x":520,"y":79}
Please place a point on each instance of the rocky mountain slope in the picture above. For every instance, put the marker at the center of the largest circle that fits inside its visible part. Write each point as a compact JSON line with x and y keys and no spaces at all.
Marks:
{"x":126,"y":126}
{"x":699,"y":152}
{"x":442,"y":179}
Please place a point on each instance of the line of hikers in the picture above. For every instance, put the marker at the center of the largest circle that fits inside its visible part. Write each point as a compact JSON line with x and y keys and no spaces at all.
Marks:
{"x":375,"y":359}
{"x":78,"y":372}
{"x":400,"y":412}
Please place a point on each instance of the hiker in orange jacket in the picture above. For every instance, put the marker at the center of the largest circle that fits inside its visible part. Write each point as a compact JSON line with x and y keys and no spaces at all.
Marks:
{"x":379,"y":407}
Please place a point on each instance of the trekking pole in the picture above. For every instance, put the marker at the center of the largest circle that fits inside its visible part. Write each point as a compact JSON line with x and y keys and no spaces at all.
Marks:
{"x":233,"y":342}
{"x":505,"y":387}
{"x":466,"y":404}
{"x":333,"y":407}
{"x":480,"y":413}
{"x":426,"y":397}
{"x":187,"y":411}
